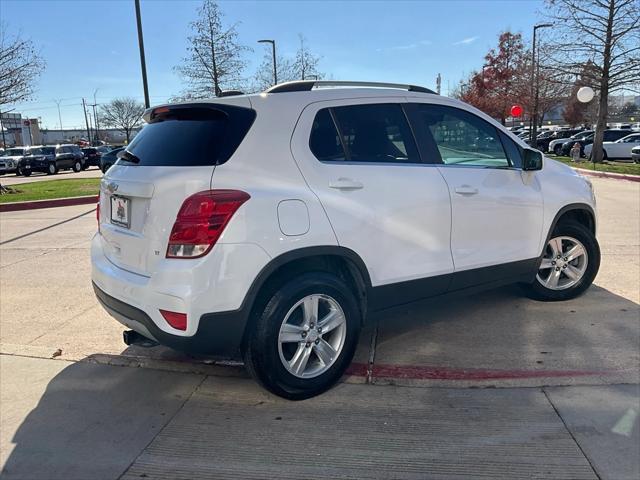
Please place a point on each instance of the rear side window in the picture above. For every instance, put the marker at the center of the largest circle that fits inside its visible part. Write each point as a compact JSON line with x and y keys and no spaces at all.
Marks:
{"x":363,"y":133}
{"x":191,"y":135}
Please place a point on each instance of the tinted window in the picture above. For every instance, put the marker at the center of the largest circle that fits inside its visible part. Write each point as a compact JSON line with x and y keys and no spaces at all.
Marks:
{"x":191,"y":135}
{"x":324,"y":141}
{"x":14,"y":152}
{"x":513,"y":151}
{"x":632,"y":139}
{"x":376,"y":133}
{"x":461,"y":137}
{"x":610,"y":135}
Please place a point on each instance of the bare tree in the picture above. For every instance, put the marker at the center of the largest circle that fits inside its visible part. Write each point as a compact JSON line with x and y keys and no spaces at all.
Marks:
{"x":306,"y":63}
{"x":125,"y":114}
{"x":606,"y":33}
{"x":20,"y":67}
{"x":214,"y":61}
{"x":304,"y":66}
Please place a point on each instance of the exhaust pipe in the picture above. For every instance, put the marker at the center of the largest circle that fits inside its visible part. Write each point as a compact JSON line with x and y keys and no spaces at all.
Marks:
{"x":132,"y":337}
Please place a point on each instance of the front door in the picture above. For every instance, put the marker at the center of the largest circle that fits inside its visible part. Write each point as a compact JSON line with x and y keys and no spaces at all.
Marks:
{"x":360,"y":158}
{"x":497,"y":209}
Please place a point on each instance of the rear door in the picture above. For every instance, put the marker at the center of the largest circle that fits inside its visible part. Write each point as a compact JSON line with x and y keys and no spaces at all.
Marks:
{"x":360,"y":158}
{"x":497,"y":208}
{"x":172,"y":157}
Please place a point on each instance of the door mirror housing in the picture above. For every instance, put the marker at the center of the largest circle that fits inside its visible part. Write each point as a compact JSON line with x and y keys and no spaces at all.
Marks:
{"x":532,"y":160}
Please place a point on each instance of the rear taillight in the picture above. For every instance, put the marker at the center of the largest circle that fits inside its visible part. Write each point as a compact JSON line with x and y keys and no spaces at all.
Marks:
{"x":201,"y":220}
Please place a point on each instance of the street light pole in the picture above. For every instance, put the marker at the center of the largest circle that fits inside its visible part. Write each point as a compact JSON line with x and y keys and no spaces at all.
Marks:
{"x":534,"y":86}
{"x":273,"y":51}
{"x":59,"y":115}
{"x":143,"y":63}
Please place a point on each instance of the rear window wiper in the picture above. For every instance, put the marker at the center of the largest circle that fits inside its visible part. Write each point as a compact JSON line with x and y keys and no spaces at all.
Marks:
{"x":128,"y":156}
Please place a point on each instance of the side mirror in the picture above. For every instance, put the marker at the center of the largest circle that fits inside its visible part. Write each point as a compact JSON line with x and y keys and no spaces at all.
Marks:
{"x":532,"y":160}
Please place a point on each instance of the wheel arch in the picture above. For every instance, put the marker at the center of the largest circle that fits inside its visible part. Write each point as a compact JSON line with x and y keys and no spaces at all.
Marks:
{"x":581,"y":213}
{"x":341,"y":261}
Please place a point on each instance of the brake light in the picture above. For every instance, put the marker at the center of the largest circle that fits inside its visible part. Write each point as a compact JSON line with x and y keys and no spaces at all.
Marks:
{"x":201,"y":220}
{"x":175,"y":319}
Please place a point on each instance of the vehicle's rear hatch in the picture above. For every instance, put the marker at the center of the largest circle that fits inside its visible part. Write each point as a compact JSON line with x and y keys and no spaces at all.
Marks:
{"x":173,"y":157}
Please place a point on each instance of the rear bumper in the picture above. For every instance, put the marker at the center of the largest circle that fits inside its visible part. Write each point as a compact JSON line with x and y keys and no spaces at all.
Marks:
{"x":218,"y":333}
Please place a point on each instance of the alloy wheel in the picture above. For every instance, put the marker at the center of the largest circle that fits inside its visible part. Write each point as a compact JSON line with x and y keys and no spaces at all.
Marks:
{"x":564,"y":263}
{"x":312,"y":336}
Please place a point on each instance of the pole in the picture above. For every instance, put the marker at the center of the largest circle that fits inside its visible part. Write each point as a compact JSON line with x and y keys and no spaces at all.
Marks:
{"x":86,"y":120}
{"x":4,"y":142}
{"x":143,"y":64}
{"x":95,"y":116}
{"x":59,"y":115}
{"x":534,"y":87}
{"x":273,"y":53}
{"x":275,"y":68}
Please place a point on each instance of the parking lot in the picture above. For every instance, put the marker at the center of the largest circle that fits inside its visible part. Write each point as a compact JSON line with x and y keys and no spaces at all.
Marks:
{"x":11,"y":179}
{"x":493,"y":385}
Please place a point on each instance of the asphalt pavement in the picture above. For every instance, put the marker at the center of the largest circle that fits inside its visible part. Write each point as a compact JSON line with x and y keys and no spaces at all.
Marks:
{"x":77,"y":403}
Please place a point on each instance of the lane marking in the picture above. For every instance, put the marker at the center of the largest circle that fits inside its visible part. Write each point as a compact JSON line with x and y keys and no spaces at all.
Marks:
{"x":624,"y":426}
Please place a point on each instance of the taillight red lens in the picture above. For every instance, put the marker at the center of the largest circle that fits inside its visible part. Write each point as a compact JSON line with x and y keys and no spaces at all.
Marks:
{"x":175,"y":319}
{"x":201,"y":220}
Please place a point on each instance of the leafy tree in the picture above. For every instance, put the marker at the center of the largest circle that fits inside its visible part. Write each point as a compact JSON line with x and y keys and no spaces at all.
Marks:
{"x":499,"y":86}
{"x":214,"y":60}
{"x":125,"y":114}
{"x":605,"y":33}
{"x":20,"y":67}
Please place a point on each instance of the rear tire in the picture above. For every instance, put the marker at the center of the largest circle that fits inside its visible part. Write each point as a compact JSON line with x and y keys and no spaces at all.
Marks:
{"x":27,"y":173}
{"x":77,"y":166}
{"x":557,"y":149}
{"x":292,"y":367}
{"x":52,"y":169}
{"x":569,"y":264}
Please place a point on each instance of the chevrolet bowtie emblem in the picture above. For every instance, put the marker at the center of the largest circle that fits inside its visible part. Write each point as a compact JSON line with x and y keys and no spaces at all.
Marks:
{"x":112,"y":187}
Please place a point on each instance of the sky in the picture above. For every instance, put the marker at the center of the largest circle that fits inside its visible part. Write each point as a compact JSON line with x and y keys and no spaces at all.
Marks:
{"x":91,"y":47}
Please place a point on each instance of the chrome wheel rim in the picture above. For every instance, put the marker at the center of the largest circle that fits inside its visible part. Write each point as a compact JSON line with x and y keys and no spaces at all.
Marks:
{"x":564,"y":262}
{"x":312,"y":336}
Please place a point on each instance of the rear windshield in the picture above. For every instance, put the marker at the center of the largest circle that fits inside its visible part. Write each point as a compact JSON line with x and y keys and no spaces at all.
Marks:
{"x":191,"y":135}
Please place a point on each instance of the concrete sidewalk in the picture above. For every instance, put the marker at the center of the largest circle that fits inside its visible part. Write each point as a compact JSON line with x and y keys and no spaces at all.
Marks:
{"x":81,"y":420}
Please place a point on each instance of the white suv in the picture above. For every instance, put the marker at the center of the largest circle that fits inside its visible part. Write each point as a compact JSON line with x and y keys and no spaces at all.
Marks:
{"x":272,"y":225}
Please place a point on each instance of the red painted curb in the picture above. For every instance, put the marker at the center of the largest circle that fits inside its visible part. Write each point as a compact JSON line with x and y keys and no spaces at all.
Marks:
{"x":58,"y":202}
{"x":418,"y":372}
{"x":615,"y":176}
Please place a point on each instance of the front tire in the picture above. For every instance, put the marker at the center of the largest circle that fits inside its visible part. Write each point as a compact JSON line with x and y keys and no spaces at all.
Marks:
{"x":52,"y":169}
{"x":557,"y":149}
{"x":305,"y":336}
{"x":569,"y":264}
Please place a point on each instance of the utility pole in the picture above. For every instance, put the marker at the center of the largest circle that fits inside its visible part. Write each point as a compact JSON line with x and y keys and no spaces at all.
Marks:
{"x":438,"y":83}
{"x":534,"y":87}
{"x":143,"y":63}
{"x":273,"y":52}
{"x":95,"y":117}
{"x":59,"y":115}
{"x":86,"y":120}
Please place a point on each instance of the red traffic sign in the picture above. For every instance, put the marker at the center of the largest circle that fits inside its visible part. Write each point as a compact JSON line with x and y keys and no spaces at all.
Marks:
{"x":516,"y":111}
{"x":26,"y":123}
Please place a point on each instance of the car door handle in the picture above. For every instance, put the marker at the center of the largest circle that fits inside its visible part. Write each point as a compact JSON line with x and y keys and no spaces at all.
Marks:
{"x":466,"y":190}
{"x":345,"y":184}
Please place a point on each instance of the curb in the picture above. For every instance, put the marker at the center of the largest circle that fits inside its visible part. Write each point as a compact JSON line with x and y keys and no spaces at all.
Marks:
{"x":57,"y":202}
{"x":615,"y":176}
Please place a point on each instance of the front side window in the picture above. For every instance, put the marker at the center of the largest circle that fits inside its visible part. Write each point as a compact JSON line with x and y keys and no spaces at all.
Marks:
{"x":462,"y":138}
{"x":631,"y":139}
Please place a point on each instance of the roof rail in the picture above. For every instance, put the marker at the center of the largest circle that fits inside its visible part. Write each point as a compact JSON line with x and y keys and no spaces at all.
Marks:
{"x":230,"y":93}
{"x":306,"y":85}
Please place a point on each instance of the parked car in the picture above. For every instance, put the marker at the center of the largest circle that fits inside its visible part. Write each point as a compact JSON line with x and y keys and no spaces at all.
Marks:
{"x":635,"y":154}
{"x":105,"y":149}
{"x":51,"y":159}
{"x":91,"y":156}
{"x":554,"y":143}
{"x":619,"y":149}
{"x":272,"y":226}
{"x":10,"y":158}
{"x":609,"y":136}
{"x":109,"y":158}
{"x":38,"y":159}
